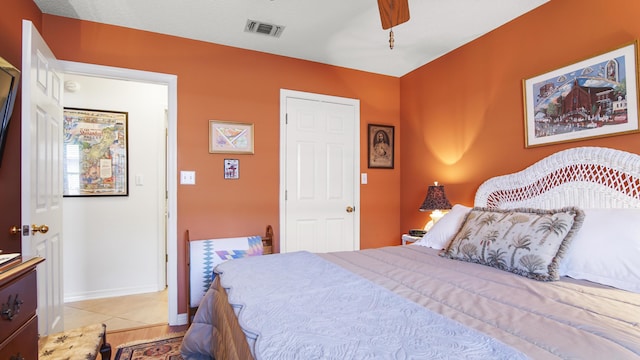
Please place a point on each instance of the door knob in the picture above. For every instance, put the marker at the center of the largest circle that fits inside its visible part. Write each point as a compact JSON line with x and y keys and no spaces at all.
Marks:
{"x":42,"y":228}
{"x":350,"y":209}
{"x":14,"y":230}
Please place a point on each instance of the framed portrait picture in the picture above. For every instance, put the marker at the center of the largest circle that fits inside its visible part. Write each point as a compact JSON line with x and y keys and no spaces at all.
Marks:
{"x":230,"y":137}
{"x":592,"y":98}
{"x":95,"y":158}
{"x":381,"y":144}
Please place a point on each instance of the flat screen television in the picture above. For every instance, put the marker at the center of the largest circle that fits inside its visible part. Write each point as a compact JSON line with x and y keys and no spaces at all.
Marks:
{"x":9,"y":79}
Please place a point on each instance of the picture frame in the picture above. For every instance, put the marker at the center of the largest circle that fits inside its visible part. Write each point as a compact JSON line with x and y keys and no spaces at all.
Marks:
{"x":95,"y":153}
{"x":228,"y":137}
{"x":231,"y":169}
{"x":380,"y":145}
{"x":589,"y":99}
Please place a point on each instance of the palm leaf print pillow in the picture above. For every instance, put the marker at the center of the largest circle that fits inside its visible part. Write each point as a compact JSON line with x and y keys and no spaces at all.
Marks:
{"x":527,"y":242}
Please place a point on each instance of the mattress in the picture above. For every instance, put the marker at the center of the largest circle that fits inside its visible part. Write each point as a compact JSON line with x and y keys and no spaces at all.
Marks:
{"x":544,"y":320}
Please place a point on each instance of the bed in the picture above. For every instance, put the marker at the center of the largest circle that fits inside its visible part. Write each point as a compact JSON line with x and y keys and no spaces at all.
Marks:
{"x":544,"y":266}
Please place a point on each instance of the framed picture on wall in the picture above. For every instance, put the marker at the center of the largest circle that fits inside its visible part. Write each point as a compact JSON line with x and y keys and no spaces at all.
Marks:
{"x":95,"y":154}
{"x":380,"y":146}
{"x":231,"y":169}
{"x":592,"y":98}
{"x":230,"y":137}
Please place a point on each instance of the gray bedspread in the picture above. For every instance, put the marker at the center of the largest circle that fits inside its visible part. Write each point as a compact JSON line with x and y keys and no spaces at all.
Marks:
{"x":300,"y":306}
{"x":566,"y":319}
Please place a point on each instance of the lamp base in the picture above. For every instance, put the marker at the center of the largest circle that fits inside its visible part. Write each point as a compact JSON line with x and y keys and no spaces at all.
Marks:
{"x":435,"y":216}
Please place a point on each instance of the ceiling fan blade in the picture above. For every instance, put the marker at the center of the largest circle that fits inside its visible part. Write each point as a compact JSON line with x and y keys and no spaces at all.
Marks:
{"x":393,"y":12}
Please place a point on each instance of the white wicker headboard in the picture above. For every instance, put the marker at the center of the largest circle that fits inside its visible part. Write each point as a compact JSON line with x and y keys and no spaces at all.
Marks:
{"x":587,"y":177}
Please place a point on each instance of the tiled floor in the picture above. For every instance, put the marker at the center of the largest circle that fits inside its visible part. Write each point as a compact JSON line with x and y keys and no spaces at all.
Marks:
{"x":117,"y":313}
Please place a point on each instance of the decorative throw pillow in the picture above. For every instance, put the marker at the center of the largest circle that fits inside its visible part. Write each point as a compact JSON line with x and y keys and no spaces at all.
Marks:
{"x":527,"y":242}
{"x":606,"y":250}
{"x":445,"y":229}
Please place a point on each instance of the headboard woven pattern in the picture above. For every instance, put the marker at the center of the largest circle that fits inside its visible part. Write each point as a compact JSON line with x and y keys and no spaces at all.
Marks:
{"x":587,"y":177}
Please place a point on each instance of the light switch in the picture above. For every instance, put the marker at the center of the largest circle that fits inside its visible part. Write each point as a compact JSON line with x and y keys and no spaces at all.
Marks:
{"x":188,"y":177}
{"x":139,"y":180}
{"x":363,"y":178}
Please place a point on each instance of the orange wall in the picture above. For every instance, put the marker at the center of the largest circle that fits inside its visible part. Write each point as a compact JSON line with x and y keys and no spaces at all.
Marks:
{"x":13,"y":11}
{"x":462,"y":114}
{"x":224,"y":83}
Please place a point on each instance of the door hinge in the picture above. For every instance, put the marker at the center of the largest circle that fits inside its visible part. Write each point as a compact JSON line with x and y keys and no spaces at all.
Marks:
{"x":286,"y":119}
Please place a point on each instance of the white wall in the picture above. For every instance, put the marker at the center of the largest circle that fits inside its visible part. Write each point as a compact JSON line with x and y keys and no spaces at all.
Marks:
{"x":115,"y":246}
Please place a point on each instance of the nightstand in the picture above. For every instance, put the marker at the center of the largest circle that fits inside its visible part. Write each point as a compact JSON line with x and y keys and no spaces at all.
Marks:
{"x":408,"y":239}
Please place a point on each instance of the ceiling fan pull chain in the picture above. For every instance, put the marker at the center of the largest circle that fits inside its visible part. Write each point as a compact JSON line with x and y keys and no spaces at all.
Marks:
{"x":391,"y":39}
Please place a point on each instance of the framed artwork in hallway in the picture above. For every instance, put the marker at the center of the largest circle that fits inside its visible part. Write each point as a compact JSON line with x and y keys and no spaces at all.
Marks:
{"x":95,"y":153}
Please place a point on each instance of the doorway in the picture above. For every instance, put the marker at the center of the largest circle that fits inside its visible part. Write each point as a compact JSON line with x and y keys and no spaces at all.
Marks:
{"x":169,"y":211}
{"x":98,"y":228}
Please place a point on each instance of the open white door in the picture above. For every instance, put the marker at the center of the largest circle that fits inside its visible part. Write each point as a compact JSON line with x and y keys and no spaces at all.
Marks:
{"x":42,"y":125}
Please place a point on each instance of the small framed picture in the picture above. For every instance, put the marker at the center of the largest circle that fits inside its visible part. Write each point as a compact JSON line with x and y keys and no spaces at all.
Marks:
{"x":381,"y":144}
{"x":231,"y":169}
{"x":230,"y":137}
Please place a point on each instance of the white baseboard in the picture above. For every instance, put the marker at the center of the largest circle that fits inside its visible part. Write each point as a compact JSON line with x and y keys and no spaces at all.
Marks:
{"x":182,"y":319}
{"x":107,"y":293}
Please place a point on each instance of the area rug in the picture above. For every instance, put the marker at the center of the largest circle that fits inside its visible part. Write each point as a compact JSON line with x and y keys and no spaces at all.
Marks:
{"x":166,"y":348}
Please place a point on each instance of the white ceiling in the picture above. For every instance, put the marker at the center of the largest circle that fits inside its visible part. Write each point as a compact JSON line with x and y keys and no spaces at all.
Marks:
{"x":345,"y":33}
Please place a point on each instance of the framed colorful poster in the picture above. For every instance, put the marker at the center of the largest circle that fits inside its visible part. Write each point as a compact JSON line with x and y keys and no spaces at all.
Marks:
{"x":94,"y":153}
{"x":592,"y":98}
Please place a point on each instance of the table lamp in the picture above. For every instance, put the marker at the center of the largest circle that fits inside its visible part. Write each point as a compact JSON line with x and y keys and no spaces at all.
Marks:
{"x":435,"y":201}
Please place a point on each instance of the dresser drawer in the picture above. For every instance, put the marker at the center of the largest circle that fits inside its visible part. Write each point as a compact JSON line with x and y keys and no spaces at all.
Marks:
{"x":23,"y":344}
{"x":24,"y":290}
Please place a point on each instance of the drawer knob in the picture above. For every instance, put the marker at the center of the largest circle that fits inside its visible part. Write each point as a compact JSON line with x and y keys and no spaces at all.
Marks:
{"x":11,"y":308}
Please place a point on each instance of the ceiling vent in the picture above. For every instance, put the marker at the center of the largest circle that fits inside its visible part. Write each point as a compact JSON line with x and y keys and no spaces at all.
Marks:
{"x":263,"y":28}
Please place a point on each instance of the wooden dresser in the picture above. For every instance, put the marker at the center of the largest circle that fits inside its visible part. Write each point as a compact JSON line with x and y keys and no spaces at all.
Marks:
{"x":18,"y":303}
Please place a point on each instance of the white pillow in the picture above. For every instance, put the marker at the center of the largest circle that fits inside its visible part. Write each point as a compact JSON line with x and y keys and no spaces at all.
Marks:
{"x":445,"y":229}
{"x":606,"y":249}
